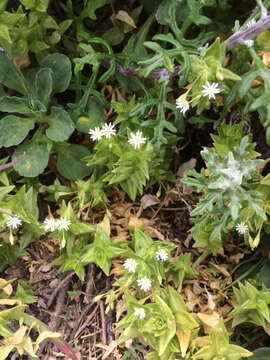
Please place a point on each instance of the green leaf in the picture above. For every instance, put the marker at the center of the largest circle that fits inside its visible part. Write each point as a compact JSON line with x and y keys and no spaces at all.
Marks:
{"x":14,"y":104}
{"x":260,"y":101}
{"x":14,"y":129}
{"x":10,"y":74}
{"x":94,"y":117}
{"x":25,"y":293}
{"x":43,"y":84}
{"x":69,"y":163}
{"x":61,"y":125}
{"x":35,"y":160}
{"x":61,"y":71}
{"x":261,"y":354}
{"x":264,"y":274}
{"x":91,"y":7}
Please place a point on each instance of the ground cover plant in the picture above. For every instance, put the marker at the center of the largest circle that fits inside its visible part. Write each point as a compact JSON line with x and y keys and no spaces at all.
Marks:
{"x":134,"y":171}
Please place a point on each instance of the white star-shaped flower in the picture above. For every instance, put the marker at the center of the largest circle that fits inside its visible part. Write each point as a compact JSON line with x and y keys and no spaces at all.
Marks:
{"x":96,"y":134}
{"x":210,"y":90}
{"x":144,"y":284}
{"x":108,"y":130}
{"x":14,"y":222}
{"x":130,"y":265}
{"x":140,"y":313}
{"x":241,"y":228}
{"x":137,"y":139}
{"x":63,"y":224}
{"x":50,"y":224}
{"x":182,"y":104}
{"x":162,"y":255}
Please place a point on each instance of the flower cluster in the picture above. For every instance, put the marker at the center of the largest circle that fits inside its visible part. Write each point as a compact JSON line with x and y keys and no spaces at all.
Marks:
{"x":209,"y":89}
{"x":108,"y":130}
{"x":52,"y":224}
{"x":131,"y":264}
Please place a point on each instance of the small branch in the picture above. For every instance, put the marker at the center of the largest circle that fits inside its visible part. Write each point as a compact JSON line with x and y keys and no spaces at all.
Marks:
{"x":103,"y":323}
{"x":58,"y":288}
{"x":8,"y":213}
{"x":241,"y":36}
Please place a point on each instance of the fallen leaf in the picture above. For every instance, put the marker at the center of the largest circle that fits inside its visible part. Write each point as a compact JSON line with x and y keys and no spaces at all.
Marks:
{"x":149,"y":200}
{"x":188,"y":165}
{"x":7,"y":289}
{"x":208,"y":321}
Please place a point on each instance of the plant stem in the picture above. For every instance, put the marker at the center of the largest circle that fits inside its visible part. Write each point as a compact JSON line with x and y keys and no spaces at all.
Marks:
{"x":201,"y":258}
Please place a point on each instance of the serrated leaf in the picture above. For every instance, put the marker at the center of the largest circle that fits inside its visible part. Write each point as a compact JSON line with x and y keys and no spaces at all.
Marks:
{"x":14,"y":129}
{"x":35,"y":160}
{"x":61,"y":71}
{"x":61,"y":125}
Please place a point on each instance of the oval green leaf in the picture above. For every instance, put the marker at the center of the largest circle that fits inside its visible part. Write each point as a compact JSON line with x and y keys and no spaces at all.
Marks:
{"x":61,"y":125}
{"x":14,"y":129}
{"x":69,"y":163}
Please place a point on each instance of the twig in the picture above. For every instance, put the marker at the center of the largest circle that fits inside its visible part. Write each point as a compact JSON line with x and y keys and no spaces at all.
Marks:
{"x":103,"y":322}
{"x":86,"y":321}
{"x":84,"y":312}
{"x":236,"y":39}
{"x":89,"y":284}
{"x":55,"y":319}
{"x":241,"y":36}
{"x":58,"y":288}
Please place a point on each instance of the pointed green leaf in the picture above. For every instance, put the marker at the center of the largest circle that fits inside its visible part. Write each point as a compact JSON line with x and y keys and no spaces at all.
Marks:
{"x":10,"y":74}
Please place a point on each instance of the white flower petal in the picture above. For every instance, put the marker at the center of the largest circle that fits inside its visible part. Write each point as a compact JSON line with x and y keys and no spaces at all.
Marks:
{"x":130,"y":265}
{"x":241,"y":228}
{"x":14,"y":222}
{"x":144,"y":284}
{"x":96,"y":134}
{"x":63,"y":224}
{"x":137,"y":139}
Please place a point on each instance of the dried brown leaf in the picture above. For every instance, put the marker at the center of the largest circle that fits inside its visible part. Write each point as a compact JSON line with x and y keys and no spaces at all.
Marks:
{"x":125,"y":17}
{"x":149,"y":200}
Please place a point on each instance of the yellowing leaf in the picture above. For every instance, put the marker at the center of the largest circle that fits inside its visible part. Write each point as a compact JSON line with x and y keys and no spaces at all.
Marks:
{"x":10,"y":302}
{"x":126,"y":18}
{"x":105,"y":224}
{"x":184,"y":339}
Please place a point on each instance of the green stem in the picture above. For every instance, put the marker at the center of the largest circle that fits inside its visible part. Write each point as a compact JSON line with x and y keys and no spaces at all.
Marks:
{"x":201,"y":258}
{"x":249,"y":271}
